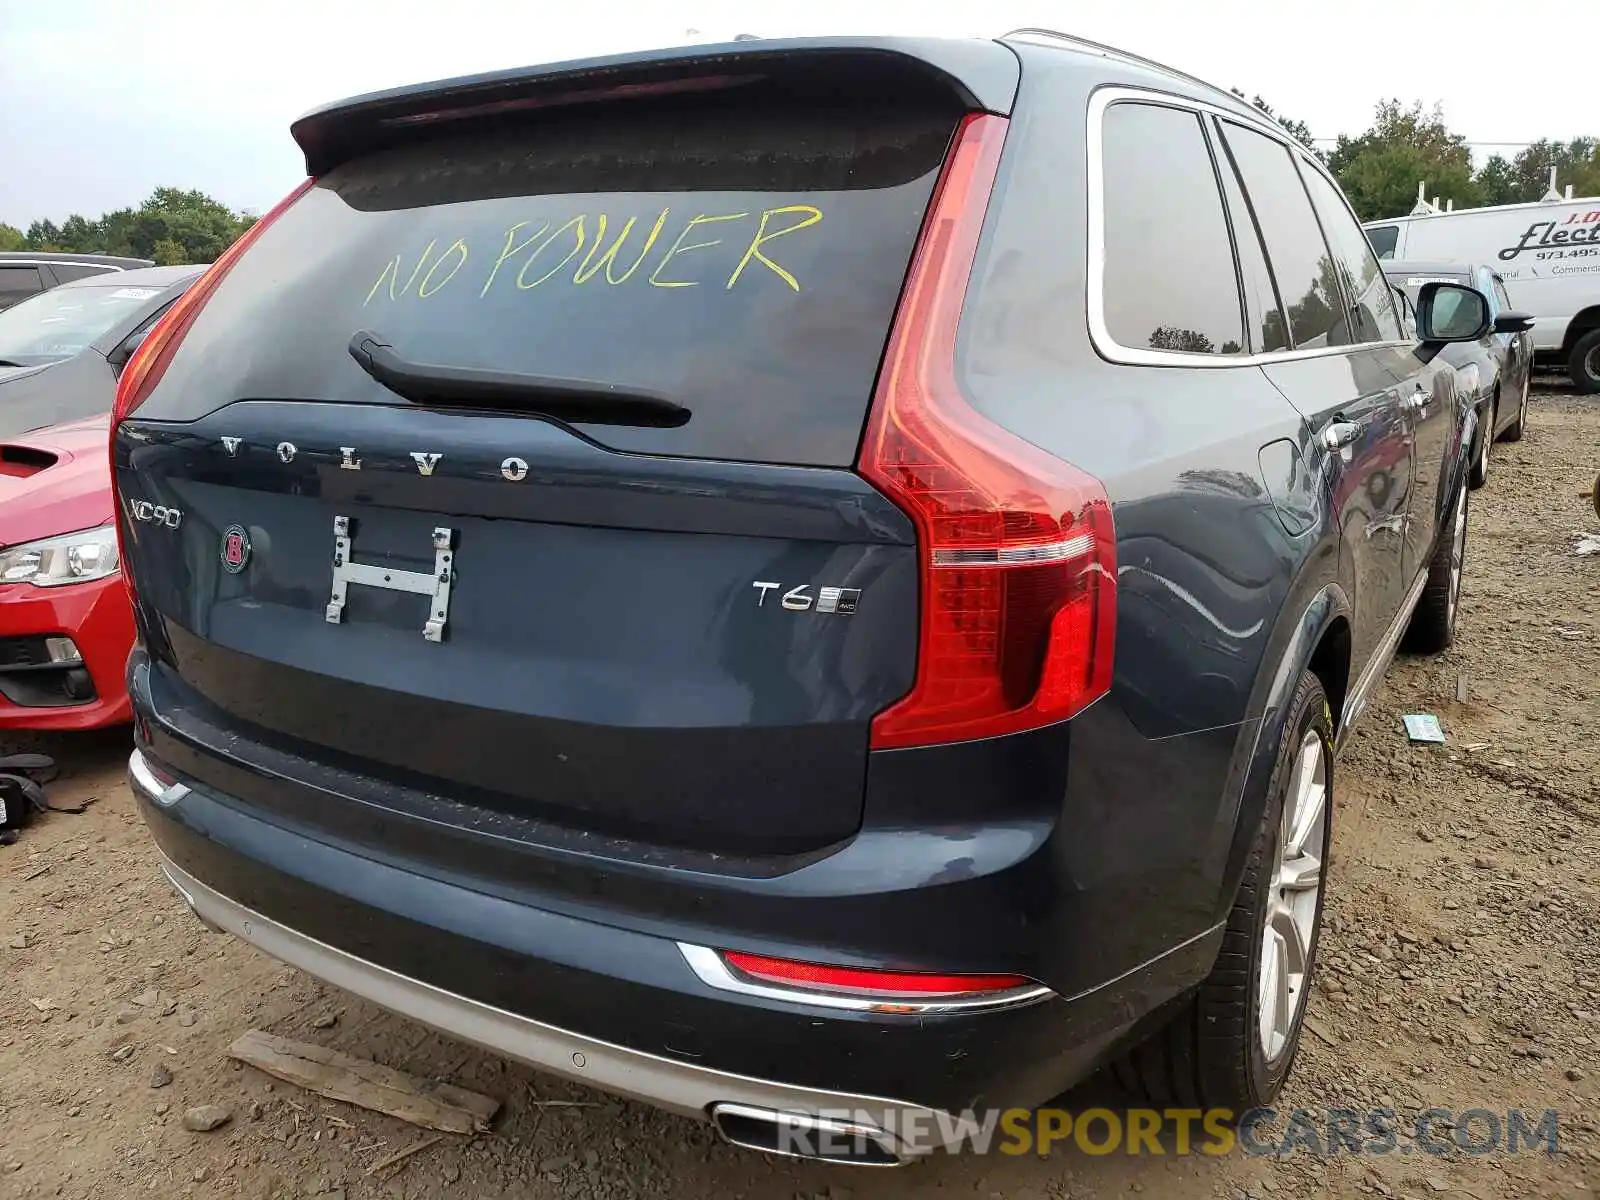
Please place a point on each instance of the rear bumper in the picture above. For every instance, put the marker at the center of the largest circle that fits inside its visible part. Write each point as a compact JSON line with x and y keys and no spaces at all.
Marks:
{"x":99,"y":619}
{"x":614,"y":1008}
{"x":678,"y":1087}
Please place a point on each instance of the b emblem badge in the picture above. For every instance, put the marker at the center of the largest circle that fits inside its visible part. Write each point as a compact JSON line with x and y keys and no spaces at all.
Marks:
{"x":235,"y":549}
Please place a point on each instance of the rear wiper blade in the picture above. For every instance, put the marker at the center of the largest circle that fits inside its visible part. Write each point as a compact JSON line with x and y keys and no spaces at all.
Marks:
{"x":583,"y":401}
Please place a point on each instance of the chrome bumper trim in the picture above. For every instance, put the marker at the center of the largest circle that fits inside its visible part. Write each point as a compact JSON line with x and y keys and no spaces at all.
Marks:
{"x":143,"y":778}
{"x":714,"y":972}
{"x":677,"y":1087}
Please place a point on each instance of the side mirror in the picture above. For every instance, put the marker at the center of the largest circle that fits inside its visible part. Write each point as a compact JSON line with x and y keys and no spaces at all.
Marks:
{"x":119,"y":357}
{"x":1452,"y":312}
{"x":1513,"y":322}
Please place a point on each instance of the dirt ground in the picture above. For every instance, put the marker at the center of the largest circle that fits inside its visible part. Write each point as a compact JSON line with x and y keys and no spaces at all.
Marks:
{"x":1460,"y":967}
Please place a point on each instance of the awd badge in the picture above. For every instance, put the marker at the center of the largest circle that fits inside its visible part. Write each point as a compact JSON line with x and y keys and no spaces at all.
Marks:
{"x":235,"y":549}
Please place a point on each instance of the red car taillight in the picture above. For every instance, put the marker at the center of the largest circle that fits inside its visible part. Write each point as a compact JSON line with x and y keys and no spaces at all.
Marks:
{"x":144,"y":369}
{"x":1018,"y":557}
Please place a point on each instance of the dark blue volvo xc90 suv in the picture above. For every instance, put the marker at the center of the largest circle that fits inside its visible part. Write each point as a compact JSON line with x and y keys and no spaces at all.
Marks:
{"x":816,"y":584}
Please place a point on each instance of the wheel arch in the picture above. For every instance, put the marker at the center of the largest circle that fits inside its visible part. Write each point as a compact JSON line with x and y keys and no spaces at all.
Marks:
{"x":1313,"y":632}
{"x":1584,"y":320}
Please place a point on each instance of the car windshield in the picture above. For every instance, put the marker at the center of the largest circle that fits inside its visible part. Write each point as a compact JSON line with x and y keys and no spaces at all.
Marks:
{"x":58,"y":324}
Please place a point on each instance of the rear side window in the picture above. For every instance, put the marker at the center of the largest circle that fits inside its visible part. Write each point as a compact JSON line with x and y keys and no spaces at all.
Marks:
{"x":67,"y":272}
{"x":1268,"y":329}
{"x":744,"y":263}
{"x":1307,"y":275}
{"x":18,"y":283}
{"x":1169,"y":281}
{"x":1384,"y":239}
{"x":1372,"y":313}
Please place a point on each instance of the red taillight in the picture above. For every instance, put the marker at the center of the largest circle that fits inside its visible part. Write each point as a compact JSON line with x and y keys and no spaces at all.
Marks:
{"x":849,"y":979}
{"x":1017,"y":549}
{"x":144,"y":369}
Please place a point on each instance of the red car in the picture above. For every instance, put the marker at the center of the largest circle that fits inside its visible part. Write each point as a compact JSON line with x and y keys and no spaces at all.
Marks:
{"x":65,"y":623}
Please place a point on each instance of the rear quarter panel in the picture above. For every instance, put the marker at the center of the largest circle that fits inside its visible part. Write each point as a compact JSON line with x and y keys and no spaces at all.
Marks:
{"x":1213,"y":590}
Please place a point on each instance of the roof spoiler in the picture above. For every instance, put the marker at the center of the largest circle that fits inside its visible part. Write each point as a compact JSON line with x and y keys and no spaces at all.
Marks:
{"x":975,"y":75}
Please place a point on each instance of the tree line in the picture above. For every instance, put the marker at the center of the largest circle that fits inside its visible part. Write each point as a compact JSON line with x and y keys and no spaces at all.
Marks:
{"x":1378,"y":169}
{"x":173,"y":226}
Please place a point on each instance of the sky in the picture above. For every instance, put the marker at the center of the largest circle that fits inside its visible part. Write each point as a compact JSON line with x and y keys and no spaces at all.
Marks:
{"x":102,"y":101}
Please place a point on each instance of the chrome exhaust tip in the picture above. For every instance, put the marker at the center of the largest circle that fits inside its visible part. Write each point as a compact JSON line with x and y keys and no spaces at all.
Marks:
{"x":805,"y":1135}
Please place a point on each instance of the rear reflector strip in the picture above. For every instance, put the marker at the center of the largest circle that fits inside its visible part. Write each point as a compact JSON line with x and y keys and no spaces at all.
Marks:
{"x":856,"y":989}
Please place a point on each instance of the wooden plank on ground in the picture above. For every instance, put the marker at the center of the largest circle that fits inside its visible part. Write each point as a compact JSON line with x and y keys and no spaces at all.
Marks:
{"x":359,"y":1081}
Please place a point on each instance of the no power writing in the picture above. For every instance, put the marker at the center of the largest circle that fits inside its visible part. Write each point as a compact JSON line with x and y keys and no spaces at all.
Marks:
{"x":663,"y":250}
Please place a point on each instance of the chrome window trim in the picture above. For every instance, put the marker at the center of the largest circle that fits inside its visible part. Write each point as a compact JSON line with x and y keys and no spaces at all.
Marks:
{"x":712,"y":971}
{"x":1099,"y":333}
{"x":56,"y":262}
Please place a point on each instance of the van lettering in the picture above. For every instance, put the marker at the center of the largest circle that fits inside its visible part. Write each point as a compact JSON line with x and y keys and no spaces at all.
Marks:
{"x":1528,"y":239}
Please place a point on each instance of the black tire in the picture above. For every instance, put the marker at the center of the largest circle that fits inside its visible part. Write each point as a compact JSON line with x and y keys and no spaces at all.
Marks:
{"x":1478,"y":475}
{"x":1433,"y":623}
{"x":1519,"y":424}
{"x":1583,"y":364}
{"x":1211,"y":1054}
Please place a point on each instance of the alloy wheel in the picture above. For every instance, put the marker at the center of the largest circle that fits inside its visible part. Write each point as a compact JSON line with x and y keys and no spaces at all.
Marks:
{"x":1296,"y":896}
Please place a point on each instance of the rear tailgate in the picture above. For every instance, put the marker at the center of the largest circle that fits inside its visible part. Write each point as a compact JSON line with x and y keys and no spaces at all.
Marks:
{"x":668,"y":629}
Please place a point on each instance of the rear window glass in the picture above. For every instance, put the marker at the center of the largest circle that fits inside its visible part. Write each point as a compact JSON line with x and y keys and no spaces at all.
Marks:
{"x":58,"y":324}
{"x":743,"y":264}
{"x":1411,"y":282}
{"x":1384,"y":239}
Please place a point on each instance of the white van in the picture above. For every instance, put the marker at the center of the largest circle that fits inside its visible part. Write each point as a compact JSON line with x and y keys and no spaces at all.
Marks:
{"x":1548,"y":253}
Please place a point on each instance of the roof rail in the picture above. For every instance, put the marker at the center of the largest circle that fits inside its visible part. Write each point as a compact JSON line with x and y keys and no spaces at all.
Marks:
{"x":1073,"y":39}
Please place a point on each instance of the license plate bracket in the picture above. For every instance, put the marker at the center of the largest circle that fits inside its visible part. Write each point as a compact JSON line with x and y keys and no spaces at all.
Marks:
{"x":434,"y":585}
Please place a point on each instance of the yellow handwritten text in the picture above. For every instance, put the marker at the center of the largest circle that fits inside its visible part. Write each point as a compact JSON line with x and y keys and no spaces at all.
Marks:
{"x":391,"y":272}
{"x":508,"y":250}
{"x":527,"y":253}
{"x":585,"y":272}
{"x":423,"y":290}
{"x":679,"y":248}
{"x":813,"y":215}
{"x":576,"y":225}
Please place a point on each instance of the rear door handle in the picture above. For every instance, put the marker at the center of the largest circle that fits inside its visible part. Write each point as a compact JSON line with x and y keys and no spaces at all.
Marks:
{"x":1336,"y":435}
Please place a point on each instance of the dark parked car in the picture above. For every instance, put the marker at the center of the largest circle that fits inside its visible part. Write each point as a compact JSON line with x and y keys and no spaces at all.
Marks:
{"x":1494,"y":372}
{"x":25,"y":273}
{"x":62,"y":350}
{"x":686,"y":573}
